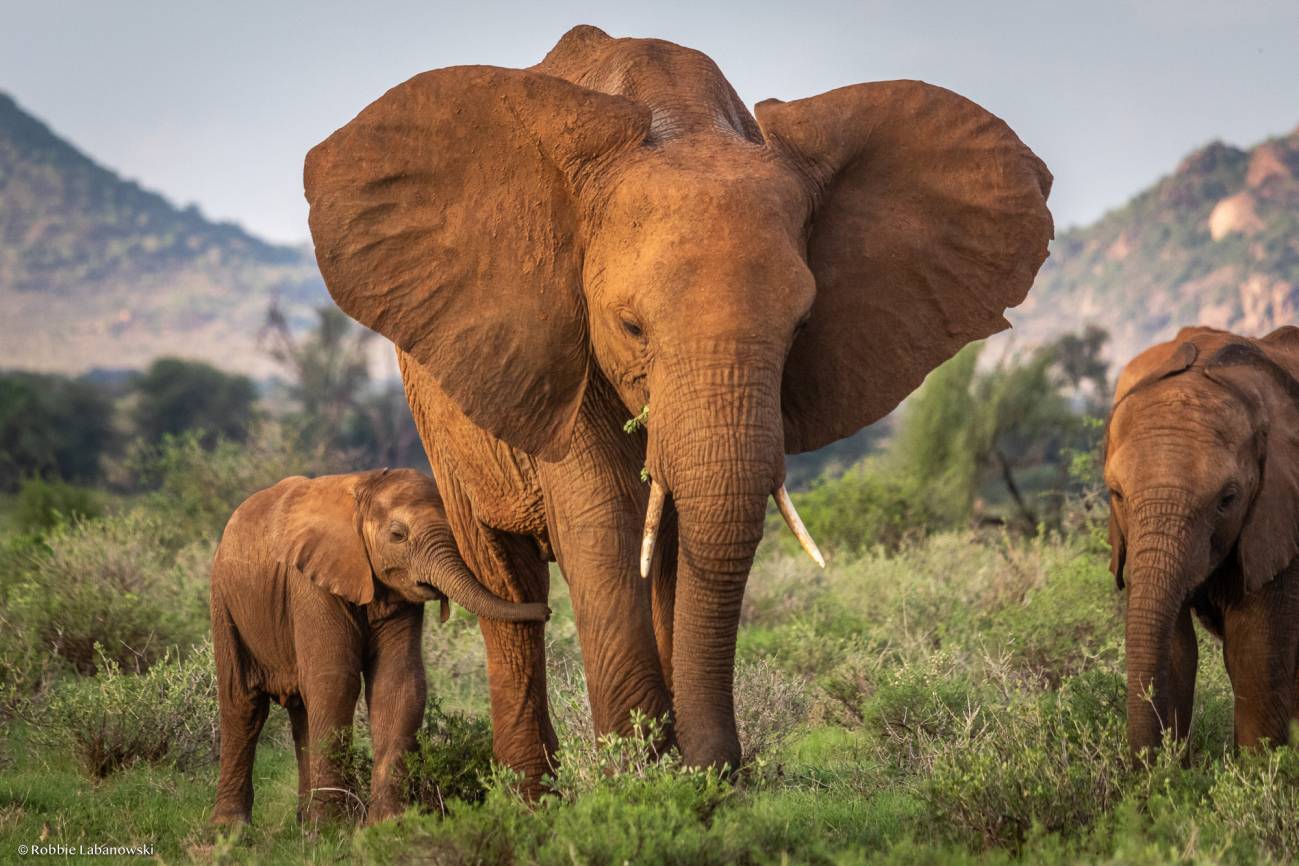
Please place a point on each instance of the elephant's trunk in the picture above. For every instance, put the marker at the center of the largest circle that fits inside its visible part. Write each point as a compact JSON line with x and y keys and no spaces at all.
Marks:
{"x":718,"y":446}
{"x":443,"y":568}
{"x":1159,"y":579}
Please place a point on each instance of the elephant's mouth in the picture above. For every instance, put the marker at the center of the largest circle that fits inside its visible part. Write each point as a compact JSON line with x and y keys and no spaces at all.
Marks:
{"x":423,"y":591}
{"x":654,"y":514}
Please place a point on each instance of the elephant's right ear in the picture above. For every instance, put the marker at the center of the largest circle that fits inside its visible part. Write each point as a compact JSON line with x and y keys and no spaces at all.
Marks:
{"x":1118,"y":549}
{"x":445,"y":217}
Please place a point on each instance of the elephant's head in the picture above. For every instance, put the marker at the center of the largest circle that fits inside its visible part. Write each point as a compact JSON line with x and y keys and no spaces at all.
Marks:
{"x":765,"y":288}
{"x":346,"y":532}
{"x":1202,"y":465}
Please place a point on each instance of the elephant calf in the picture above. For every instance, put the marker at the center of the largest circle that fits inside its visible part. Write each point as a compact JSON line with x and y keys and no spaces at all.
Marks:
{"x":316,"y":584}
{"x":1202,"y":463}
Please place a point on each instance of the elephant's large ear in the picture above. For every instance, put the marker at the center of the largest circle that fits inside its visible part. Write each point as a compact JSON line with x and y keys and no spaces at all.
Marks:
{"x":444,"y":217}
{"x":930,"y":219}
{"x":323,"y":540}
{"x":1269,"y":540}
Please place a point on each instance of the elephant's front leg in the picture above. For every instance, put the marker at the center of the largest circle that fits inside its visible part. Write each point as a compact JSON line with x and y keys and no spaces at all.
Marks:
{"x":595,"y":505}
{"x":395,"y":694}
{"x":1261,"y":649}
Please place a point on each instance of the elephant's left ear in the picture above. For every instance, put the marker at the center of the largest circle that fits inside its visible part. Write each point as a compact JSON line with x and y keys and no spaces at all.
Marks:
{"x":930,"y":220}
{"x":322,"y":533}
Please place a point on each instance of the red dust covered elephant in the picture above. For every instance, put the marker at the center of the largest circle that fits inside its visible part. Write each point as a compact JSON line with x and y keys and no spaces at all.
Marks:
{"x":553,"y":249}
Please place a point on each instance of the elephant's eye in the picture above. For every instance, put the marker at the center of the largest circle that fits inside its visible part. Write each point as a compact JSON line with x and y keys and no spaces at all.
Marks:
{"x":397,"y":532}
{"x":631,"y":326}
{"x":1118,"y":495}
{"x":1228,"y":497}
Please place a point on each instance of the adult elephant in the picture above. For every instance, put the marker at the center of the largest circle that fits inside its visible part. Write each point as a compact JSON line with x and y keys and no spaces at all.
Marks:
{"x":553,"y":249}
{"x":1202,"y":462}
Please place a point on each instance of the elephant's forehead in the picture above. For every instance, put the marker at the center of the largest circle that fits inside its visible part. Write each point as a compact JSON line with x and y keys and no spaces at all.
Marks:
{"x":738,"y":182}
{"x":1179,"y":426}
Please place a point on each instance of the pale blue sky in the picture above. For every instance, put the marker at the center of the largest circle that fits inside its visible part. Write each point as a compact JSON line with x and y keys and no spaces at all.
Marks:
{"x":216,"y":103}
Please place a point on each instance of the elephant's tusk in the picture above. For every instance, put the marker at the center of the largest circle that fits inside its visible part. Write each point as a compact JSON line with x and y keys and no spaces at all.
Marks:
{"x":653,"y":514}
{"x":786,"y":506}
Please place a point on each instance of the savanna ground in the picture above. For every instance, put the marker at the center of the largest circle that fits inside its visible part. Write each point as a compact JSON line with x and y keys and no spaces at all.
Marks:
{"x":949,"y":690}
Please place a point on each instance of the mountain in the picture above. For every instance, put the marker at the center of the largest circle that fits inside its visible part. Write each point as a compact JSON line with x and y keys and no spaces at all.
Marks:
{"x":97,"y":272}
{"x":1214,"y":243}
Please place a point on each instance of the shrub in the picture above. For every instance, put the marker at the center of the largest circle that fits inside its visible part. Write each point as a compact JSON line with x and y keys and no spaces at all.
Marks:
{"x":769,"y":705}
{"x":42,"y":504}
{"x":1256,"y":798}
{"x":870,"y":505}
{"x":1072,"y":619}
{"x":1055,"y":761}
{"x":105,"y":589}
{"x":115,"y":719}
{"x":196,"y":488}
{"x":452,"y":758}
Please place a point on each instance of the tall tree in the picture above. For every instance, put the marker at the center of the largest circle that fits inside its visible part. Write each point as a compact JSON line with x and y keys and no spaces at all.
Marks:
{"x":174,"y":396}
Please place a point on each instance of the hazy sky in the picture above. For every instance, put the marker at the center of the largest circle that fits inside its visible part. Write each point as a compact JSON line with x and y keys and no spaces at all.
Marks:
{"x":216,"y":103}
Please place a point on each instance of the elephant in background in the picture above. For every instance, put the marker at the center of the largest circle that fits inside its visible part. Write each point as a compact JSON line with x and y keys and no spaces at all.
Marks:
{"x":554,"y":249}
{"x":1202,"y":464}
{"x":316,"y":583}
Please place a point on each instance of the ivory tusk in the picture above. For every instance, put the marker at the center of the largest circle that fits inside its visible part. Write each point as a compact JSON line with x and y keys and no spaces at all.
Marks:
{"x":786,"y":506}
{"x":653,"y":514}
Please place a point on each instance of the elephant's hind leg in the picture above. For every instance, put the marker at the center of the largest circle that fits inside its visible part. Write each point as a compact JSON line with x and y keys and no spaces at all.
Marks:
{"x":242,"y":717}
{"x":298,"y":722}
{"x":242,"y":712}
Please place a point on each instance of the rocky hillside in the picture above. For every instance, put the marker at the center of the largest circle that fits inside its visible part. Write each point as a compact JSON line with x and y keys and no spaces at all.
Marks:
{"x":97,"y":272}
{"x":1214,"y":243}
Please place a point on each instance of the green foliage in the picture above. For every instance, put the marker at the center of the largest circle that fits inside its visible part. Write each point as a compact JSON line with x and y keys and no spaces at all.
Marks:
{"x":176,"y":396}
{"x":103,"y":589}
{"x":195,"y":488}
{"x":452,"y":758}
{"x":970,"y":434}
{"x":1050,"y":761}
{"x":638,"y":422}
{"x":52,"y":426}
{"x":167,"y":715}
{"x":871,"y":504}
{"x":41,"y":504}
{"x":934,"y":440}
{"x":335,"y":406}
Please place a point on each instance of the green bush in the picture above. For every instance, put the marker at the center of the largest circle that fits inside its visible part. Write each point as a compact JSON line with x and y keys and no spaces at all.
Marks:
{"x":167,"y":715}
{"x":452,"y":759}
{"x":1070,"y":620}
{"x":197,"y":487}
{"x":1052,"y":761}
{"x":870,"y":505}
{"x":104,"y":589}
{"x":42,"y":504}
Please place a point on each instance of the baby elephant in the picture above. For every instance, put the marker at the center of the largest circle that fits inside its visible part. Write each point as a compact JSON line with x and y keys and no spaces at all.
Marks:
{"x":1202,"y":463}
{"x":316,"y":584}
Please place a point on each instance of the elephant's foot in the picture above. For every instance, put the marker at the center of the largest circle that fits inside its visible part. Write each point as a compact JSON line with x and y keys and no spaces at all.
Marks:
{"x":230,"y":818}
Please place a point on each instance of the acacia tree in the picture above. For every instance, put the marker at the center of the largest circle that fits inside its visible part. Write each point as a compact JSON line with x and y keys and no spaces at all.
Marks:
{"x":968,"y":428}
{"x":338,"y":404}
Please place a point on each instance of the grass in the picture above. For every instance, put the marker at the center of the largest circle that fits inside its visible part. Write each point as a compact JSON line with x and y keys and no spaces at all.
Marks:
{"x":957,"y":700}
